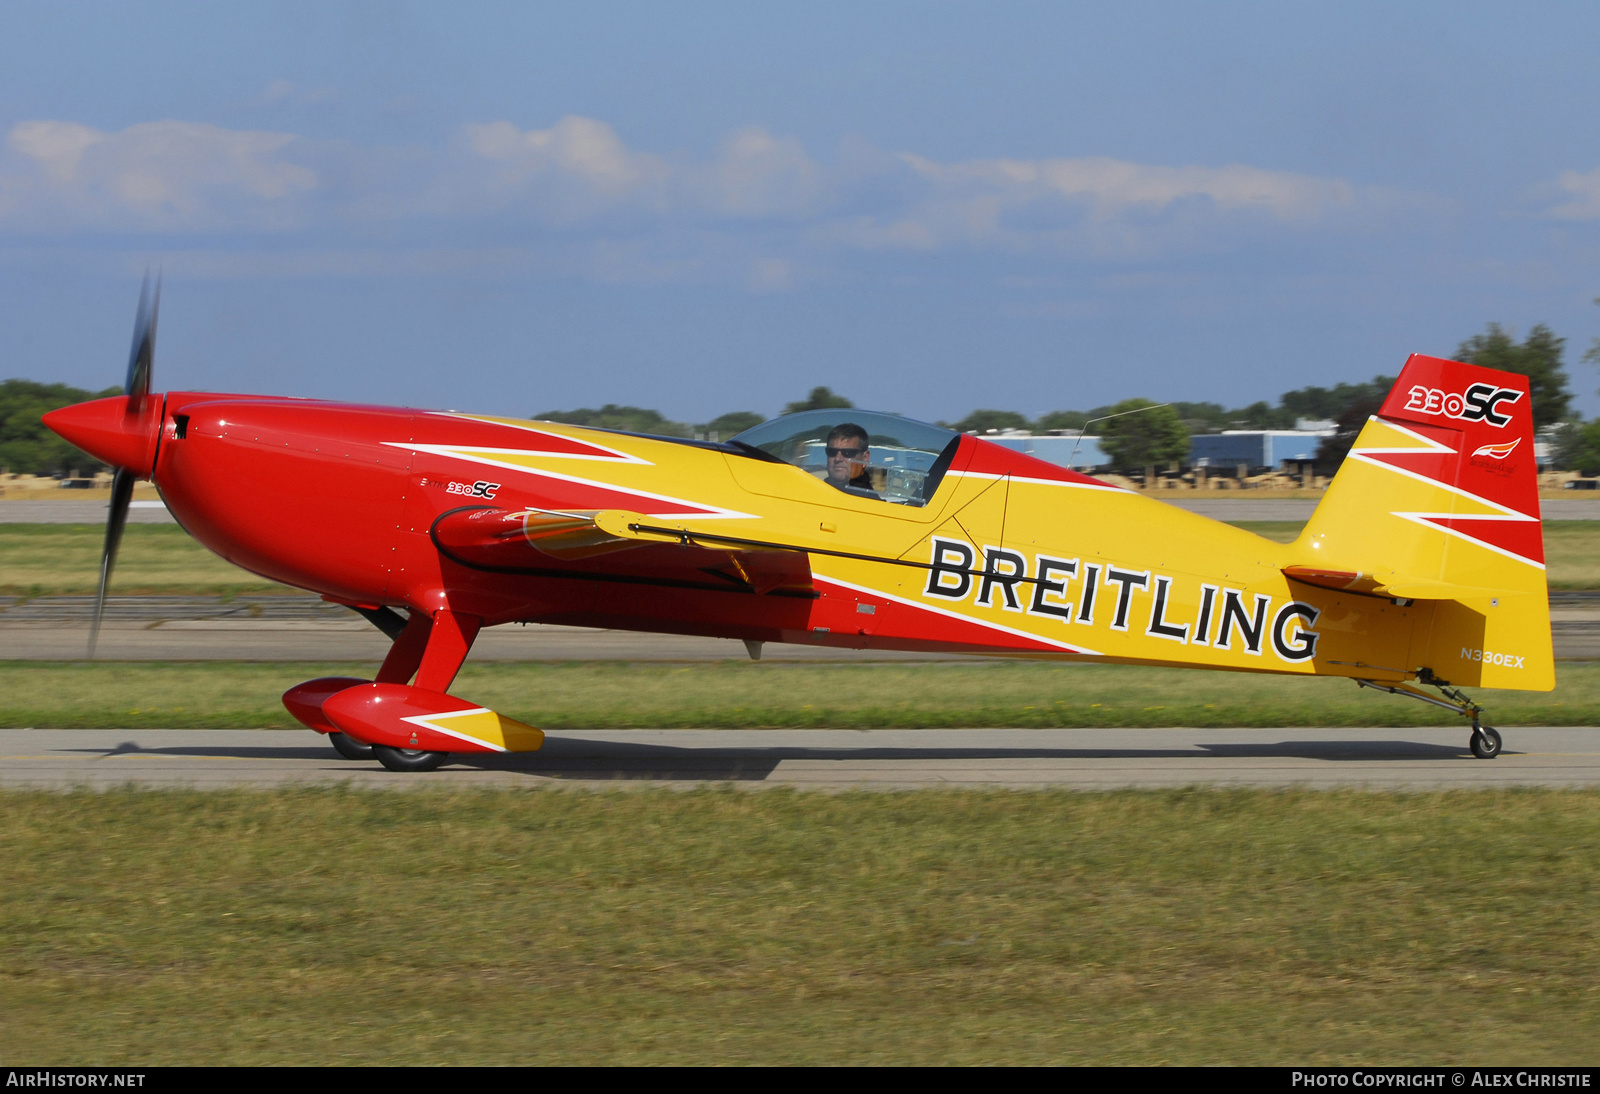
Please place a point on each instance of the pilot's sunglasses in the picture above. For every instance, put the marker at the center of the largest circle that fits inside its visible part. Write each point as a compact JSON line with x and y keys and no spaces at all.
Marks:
{"x":832,"y":451}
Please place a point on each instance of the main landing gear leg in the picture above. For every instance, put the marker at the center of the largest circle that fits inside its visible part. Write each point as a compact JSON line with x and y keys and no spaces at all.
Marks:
{"x":407,"y":639}
{"x":410,"y":639}
{"x":1485,"y":743}
{"x":432,"y":648}
{"x":405,"y":656}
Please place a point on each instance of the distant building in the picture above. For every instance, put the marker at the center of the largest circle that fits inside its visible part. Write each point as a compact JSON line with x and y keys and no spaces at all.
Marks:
{"x":1261,"y":450}
{"x":1076,"y":452}
{"x":1258,"y":449}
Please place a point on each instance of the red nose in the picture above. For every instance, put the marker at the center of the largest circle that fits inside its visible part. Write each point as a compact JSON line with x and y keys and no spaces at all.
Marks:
{"x":119,"y":430}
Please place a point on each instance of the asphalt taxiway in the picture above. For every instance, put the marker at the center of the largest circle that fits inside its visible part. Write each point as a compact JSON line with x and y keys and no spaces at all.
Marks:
{"x":1083,"y":759}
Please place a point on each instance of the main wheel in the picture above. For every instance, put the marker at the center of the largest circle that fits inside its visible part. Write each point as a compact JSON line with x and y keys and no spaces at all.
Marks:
{"x":1485,"y":742}
{"x":408,"y":759}
{"x":349,"y":747}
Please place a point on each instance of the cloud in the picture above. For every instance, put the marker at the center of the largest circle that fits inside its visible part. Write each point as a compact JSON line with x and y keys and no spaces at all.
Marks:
{"x":758,"y":175}
{"x":760,"y":210}
{"x":580,"y":166}
{"x":580,"y":171}
{"x":577,"y":168}
{"x":156,"y":176}
{"x":1585,"y":191}
{"x":287,"y":93}
{"x":1111,"y":186}
{"x":1092,"y":206}
{"x":57,"y":147}
{"x":772,"y":274}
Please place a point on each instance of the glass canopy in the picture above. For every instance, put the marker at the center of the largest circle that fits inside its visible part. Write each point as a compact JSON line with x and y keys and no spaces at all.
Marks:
{"x":901,"y":461}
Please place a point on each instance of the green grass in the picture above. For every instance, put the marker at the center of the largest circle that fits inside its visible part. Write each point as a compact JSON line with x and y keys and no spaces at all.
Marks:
{"x":1572,"y":553}
{"x":933,"y":927}
{"x":1279,"y":531}
{"x":741,"y":694}
{"x":64,"y":560}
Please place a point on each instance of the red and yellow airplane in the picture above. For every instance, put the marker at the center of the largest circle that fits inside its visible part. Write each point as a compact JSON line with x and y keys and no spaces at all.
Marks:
{"x":1423,"y":564}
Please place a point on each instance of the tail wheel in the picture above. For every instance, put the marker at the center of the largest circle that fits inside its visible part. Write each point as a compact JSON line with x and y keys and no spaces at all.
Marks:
{"x":1485,"y":742}
{"x":349,"y":747}
{"x":408,"y":759}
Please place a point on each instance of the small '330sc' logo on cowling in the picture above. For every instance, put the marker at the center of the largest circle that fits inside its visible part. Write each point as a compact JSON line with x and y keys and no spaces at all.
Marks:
{"x":1480,"y":403}
{"x":479,"y":489}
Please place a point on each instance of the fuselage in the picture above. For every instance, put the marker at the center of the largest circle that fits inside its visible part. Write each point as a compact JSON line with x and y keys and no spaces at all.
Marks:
{"x":1010,"y":555}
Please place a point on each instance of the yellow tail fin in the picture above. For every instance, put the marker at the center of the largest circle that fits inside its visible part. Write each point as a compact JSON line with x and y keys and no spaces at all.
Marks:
{"x":1438,"y":502}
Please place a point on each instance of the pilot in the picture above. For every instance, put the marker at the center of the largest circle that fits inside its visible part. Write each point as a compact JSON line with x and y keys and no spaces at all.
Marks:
{"x":848,"y":454}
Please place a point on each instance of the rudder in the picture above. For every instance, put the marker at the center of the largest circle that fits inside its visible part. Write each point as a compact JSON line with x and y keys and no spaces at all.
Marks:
{"x":1438,"y":502}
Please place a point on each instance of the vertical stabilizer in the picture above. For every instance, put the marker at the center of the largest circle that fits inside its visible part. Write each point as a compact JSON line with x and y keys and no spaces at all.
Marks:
{"x":1438,"y":502}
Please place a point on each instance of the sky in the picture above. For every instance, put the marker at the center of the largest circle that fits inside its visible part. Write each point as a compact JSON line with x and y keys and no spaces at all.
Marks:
{"x":709,"y":207}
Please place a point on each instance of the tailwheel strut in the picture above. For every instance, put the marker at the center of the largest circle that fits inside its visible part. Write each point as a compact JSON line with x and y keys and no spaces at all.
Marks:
{"x":1485,"y":742}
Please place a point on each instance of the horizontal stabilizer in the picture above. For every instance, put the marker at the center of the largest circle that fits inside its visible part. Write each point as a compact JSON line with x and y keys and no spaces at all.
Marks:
{"x":1395,"y":587}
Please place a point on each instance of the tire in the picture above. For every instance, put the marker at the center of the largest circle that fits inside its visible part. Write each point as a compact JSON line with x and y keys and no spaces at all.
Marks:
{"x":1486,"y":743}
{"x":349,"y":747}
{"x":408,"y":759}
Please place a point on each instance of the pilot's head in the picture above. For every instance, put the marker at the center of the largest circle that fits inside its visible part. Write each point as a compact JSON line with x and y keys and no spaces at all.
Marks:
{"x":847,"y":453}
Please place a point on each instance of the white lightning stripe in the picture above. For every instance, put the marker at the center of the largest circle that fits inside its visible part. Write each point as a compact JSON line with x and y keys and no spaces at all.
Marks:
{"x":621,"y":457}
{"x":1429,"y":444}
{"x":702,"y":510}
{"x":1422,"y":519}
{"x":1510,"y":514}
{"x":616,"y":453}
{"x":1039,"y":482}
{"x":935,"y":609}
{"x":427,"y":722}
{"x":1503,"y":513}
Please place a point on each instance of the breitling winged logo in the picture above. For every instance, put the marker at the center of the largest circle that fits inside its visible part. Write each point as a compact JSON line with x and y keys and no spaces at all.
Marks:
{"x":1497,"y":451}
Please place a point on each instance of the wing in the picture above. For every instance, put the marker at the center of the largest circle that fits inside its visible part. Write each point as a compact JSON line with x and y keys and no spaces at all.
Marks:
{"x":525,"y":540}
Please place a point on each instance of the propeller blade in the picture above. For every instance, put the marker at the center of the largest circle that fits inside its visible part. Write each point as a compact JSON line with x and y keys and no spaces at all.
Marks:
{"x":121,"y":495}
{"x":140,"y":358}
{"x":144,"y":339}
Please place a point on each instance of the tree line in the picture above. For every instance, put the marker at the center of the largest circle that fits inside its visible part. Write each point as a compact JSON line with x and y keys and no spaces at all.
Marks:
{"x":1137,"y":433}
{"x":1140,"y":433}
{"x":26,"y":446}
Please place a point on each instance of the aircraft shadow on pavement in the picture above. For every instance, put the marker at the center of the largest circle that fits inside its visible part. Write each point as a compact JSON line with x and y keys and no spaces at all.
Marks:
{"x":582,"y":759}
{"x":223,"y":752}
{"x":589,"y":760}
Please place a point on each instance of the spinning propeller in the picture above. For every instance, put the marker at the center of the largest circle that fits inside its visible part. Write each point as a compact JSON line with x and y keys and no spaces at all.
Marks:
{"x":137,"y":390}
{"x":124,"y":432}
